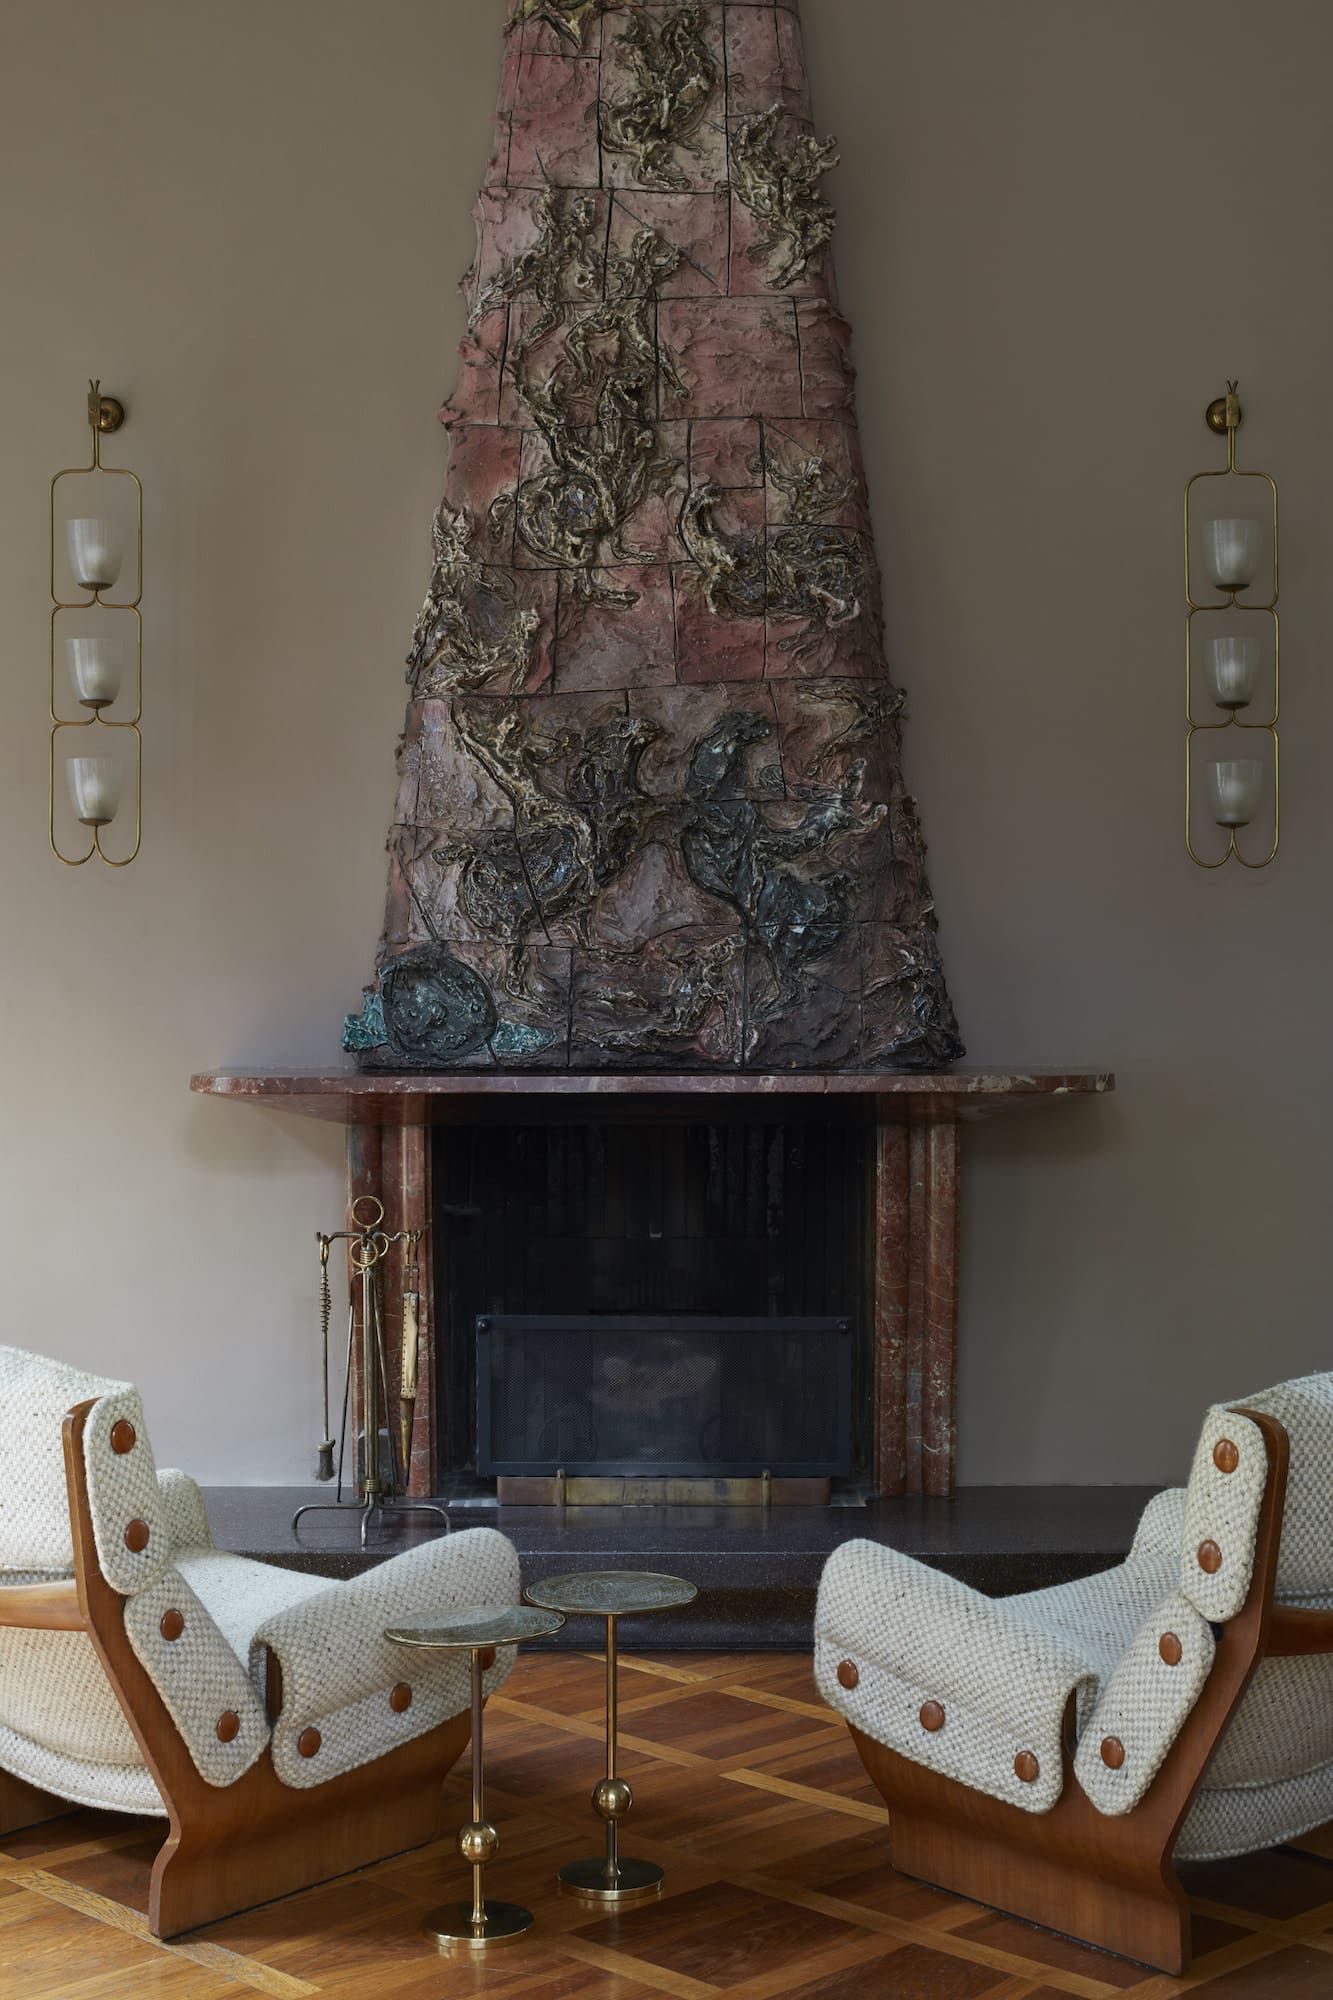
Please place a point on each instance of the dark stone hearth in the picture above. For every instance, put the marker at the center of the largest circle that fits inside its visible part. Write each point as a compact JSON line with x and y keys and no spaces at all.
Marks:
{"x":651,"y":812}
{"x":757,"y":1572}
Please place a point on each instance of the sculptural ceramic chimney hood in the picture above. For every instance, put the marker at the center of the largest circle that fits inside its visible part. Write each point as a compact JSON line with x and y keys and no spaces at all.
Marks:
{"x":651,"y":813}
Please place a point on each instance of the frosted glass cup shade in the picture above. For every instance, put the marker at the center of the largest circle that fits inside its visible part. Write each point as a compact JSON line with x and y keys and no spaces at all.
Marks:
{"x":1233,"y":668}
{"x":96,"y":552}
{"x":1232,"y":551}
{"x":1234,"y":785}
{"x":94,"y":786}
{"x":95,"y":668}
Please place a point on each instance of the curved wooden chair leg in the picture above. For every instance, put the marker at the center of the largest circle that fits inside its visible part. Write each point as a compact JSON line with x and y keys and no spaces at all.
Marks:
{"x":259,"y":1840}
{"x":1102,"y":1881}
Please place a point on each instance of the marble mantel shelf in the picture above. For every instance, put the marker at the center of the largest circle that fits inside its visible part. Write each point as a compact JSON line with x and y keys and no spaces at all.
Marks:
{"x":345,"y":1096}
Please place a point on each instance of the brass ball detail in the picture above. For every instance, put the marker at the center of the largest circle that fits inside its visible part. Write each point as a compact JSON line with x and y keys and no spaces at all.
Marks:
{"x":612,"y":1798}
{"x":478,"y":1842}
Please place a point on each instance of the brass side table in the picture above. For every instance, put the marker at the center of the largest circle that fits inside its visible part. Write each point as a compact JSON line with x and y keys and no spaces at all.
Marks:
{"x":611,"y":1594}
{"x":478,"y":1630}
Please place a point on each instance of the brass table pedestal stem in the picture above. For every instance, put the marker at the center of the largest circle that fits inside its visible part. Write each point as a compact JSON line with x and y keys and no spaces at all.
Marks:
{"x":612,"y":1878}
{"x":478,"y":1925}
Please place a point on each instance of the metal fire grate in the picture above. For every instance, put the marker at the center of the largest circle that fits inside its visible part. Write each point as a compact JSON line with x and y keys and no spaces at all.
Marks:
{"x":677,"y":1395}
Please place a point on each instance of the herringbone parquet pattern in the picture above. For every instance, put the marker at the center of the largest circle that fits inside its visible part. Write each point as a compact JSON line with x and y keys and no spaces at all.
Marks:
{"x":749,"y":1793}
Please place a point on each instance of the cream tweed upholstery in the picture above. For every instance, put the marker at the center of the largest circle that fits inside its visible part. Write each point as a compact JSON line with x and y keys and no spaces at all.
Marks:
{"x":917,"y":1636}
{"x":61,"y":1727}
{"x":1002,"y":1670}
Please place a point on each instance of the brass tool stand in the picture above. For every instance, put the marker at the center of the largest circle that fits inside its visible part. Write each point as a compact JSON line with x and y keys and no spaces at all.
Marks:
{"x":474,"y":1926}
{"x":612,"y":1594}
{"x":382,"y":1479}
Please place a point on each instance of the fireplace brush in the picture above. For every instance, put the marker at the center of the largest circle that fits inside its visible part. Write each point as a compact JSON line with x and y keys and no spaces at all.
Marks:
{"x":383,"y":1474}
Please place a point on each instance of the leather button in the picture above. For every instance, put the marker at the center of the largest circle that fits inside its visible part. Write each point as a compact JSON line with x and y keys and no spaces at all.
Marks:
{"x":1113,"y":1752}
{"x":1170,"y":1649}
{"x":1210,"y":1558}
{"x":1225,"y":1455}
{"x":136,"y":1537}
{"x":308,"y":1742}
{"x":400,"y":1700}
{"x":1026,"y":1767}
{"x":932,"y":1716}
{"x":229,"y":1726}
{"x":123,"y":1437}
{"x":172,"y":1625}
{"x":487,"y":1658}
{"x":849,"y":1675}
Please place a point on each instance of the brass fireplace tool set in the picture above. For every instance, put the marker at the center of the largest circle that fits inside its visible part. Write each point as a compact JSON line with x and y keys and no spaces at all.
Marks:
{"x":386,"y":1444}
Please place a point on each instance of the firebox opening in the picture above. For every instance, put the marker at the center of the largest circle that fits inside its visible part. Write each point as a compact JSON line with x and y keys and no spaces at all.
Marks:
{"x":733,"y":1250}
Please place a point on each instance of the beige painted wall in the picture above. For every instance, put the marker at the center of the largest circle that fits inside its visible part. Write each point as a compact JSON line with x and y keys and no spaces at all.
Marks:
{"x":1036,"y":200}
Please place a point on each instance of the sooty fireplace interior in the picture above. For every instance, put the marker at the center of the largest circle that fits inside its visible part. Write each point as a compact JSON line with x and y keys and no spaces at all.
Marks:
{"x":674,"y":1299}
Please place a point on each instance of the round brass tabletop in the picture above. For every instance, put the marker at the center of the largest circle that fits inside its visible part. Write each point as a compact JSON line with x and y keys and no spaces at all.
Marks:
{"x":611,"y":1593}
{"x":478,"y":1625}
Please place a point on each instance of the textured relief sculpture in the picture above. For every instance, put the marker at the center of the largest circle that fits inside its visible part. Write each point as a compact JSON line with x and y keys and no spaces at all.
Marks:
{"x":651,"y":811}
{"x":568,"y":18}
{"x":471,"y":627}
{"x":674,"y":83}
{"x":778,"y":181}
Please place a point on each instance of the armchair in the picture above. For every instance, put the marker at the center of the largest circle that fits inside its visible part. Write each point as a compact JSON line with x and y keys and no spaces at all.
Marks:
{"x":1054,"y":1754}
{"x":259,"y":1711}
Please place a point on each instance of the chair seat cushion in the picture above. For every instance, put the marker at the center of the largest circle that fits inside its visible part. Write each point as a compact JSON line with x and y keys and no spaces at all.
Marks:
{"x":240,"y":1595}
{"x":54,"y":1693}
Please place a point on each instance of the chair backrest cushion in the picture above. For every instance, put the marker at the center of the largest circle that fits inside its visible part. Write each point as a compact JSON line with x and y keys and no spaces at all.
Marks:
{"x":1222,"y":1501}
{"x":35,"y":1394}
{"x":1304,"y":1407}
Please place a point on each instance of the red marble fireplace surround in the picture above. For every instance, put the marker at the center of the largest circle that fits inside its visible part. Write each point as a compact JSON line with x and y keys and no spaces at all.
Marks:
{"x":913,"y":1246}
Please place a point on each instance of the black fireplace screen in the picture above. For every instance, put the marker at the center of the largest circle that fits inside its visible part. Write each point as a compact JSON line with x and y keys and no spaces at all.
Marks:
{"x":674,"y":1395}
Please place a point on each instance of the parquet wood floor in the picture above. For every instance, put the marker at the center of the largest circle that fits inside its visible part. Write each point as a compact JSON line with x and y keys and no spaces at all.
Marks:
{"x":748,"y":1792}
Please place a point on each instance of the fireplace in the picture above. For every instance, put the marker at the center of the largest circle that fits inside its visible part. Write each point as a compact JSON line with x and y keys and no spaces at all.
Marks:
{"x":406,"y":1132}
{"x":658,"y":1028}
{"x":653,"y":1297}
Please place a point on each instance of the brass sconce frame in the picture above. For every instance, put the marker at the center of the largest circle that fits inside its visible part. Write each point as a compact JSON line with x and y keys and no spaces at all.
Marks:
{"x":105,"y":416}
{"x":1224,"y":416}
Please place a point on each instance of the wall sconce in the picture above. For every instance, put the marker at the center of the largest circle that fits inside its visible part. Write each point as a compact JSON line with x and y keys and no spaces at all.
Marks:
{"x":88,"y":666}
{"x":1239,"y":639}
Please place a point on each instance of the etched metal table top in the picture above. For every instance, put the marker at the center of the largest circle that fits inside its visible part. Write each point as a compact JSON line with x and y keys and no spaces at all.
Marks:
{"x":611,"y":1593}
{"x":478,"y":1625}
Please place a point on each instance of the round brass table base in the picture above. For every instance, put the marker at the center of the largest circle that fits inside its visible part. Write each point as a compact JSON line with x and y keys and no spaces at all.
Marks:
{"x":452,"y":1927}
{"x":632,"y":1881}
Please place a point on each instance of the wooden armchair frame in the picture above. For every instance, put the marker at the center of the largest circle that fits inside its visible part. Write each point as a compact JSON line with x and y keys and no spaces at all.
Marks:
{"x":1107,"y":1881}
{"x":227,"y":1847}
